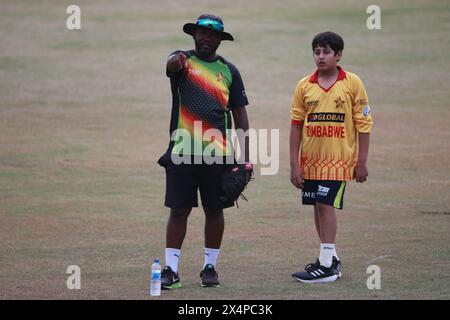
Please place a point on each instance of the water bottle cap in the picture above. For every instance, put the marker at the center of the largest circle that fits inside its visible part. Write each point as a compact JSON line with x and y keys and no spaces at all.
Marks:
{"x":156,"y":261}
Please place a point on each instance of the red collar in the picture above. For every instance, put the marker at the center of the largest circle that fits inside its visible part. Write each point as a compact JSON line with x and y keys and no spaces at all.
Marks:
{"x":315,"y":77}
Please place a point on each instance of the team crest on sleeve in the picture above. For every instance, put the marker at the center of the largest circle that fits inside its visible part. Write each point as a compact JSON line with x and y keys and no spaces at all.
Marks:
{"x":366,"y":111}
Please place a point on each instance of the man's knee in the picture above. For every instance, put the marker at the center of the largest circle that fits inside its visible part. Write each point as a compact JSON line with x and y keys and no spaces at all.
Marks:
{"x":213,"y":212}
{"x":180,"y":213}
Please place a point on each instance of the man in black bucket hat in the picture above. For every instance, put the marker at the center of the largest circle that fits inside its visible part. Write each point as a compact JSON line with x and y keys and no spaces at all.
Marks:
{"x":206,"y":91}
{"x":208,"y":21}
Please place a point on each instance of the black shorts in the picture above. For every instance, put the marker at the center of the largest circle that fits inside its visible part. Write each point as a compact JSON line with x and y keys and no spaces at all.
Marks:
{"x":184,"y":180}
{"x":329,"y":192}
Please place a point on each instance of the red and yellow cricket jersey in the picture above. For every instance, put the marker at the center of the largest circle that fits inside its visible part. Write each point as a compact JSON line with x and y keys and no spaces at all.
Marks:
{"x":331,"y":120}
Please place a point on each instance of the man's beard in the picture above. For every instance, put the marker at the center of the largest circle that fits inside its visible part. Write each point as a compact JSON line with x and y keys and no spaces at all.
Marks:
{"x":204,"y":52}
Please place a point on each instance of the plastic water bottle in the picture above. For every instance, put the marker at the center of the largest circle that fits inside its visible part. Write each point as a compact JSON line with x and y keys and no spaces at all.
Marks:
{"x":155,"y":282}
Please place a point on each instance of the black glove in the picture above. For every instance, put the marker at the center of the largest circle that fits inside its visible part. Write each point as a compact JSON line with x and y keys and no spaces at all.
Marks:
{"x":234,"y":180}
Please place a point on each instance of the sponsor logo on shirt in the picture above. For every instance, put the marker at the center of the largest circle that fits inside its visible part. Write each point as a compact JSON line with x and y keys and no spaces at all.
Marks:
{"x":366,"y":111}
{"x":326,"y":117}
{"x":194,"y":72}
{"x":311,"y":104}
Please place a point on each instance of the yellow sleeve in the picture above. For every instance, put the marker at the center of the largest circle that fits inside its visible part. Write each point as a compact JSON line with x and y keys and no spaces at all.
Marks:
{"x":362,"y":116}
{"x":298,"y":110}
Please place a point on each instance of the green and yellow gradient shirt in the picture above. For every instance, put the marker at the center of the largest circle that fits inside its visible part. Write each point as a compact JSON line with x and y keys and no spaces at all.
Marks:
{"x":203,"y":94}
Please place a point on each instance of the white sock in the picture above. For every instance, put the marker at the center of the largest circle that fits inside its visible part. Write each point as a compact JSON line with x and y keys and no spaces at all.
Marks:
{"x":211,"y":256}
{"x":327,"y":250}
{"x":172,"y":258}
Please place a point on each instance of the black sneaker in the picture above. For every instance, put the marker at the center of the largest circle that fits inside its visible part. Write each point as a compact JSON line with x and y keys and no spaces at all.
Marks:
{"x":316,"y":273}
{"x":209,"y":276}
{"x":169,"y":279}
{"x":337,"y":265}
{"x":313,"y":265}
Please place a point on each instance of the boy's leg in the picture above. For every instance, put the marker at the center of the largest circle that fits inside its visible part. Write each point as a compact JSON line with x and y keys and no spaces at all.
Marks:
{"x":328,"y":227}
{"x":317,"y":222}
{"x":325,"y":195}
{"x":328,"y":236}
{"x":323,"y":269}
{"x":329,"y":196}
{"x":327,"y":222}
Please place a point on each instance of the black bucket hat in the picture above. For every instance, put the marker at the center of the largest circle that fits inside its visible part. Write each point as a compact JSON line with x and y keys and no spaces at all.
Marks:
{"x":208,"y":21}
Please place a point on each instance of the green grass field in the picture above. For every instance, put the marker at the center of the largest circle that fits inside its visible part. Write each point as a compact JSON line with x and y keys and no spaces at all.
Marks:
{"x":84,"y":116}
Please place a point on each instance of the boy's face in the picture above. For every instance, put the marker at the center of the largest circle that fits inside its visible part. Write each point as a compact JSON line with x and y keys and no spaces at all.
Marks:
{"x":325,"y":58}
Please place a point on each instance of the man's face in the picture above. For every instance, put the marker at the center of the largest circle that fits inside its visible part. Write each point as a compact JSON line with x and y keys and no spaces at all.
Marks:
{"x":206,"y":42}
{"x":325,"y":58}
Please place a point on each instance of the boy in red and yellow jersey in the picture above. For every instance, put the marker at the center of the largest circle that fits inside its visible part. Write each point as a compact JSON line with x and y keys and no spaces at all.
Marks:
{"x":329,"y":144}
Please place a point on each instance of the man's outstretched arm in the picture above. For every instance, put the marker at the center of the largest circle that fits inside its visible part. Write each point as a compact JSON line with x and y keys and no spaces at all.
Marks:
{"x":176,"y":62}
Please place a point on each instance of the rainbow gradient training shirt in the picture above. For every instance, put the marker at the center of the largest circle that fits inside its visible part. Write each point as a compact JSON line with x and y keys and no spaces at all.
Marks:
{"x":203,"y":94}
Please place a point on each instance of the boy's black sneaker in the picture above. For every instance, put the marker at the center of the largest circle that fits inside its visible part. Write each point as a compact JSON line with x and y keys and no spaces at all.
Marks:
{"x":313,"y":265}
{"x":336,"y":264}
{"x":316,"y":273}
{"x":169,"y":279}
{"x":209,"y":276}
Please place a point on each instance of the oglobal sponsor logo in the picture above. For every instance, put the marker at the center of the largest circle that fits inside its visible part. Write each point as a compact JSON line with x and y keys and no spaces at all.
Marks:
{"x":326,"y":117}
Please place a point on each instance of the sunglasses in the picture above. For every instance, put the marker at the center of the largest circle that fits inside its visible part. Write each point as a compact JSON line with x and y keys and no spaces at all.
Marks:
{"x":211,"y":24}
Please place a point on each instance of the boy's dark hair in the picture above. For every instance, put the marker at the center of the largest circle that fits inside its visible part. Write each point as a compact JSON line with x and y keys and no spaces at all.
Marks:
{"x":328,"y":38}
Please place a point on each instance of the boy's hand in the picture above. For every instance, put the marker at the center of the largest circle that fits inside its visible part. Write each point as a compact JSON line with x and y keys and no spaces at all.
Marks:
{"x":176,"y":62}
{"x":297,"y":177}
{"x":361,"y":172}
